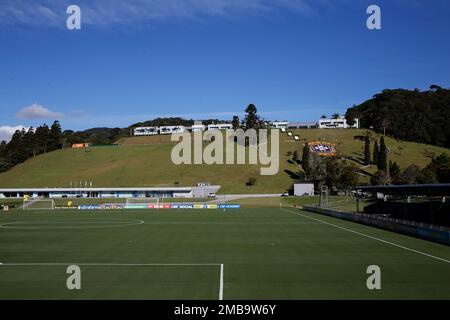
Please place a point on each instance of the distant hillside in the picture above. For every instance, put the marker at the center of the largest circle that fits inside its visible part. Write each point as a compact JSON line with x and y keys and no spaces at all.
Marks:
{"x":408,"y":115}
{"x":145,"y":161}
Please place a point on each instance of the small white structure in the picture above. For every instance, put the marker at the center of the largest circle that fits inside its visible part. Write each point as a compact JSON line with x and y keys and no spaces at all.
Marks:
{"x":171,"y":129}
{"x":198,"y":128}
{"x":145,"y":131}
{"x":338,"y":123}
{"x":279,"y":124}
{"x":303,"y":189}
{"x":220,"y":126}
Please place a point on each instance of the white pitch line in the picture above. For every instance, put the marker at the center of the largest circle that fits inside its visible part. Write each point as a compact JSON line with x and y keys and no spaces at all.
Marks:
{"x":371,"y":237}
{"x":221,"y":283}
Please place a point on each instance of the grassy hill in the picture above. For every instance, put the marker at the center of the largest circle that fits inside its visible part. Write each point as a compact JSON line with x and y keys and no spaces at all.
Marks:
{"x":145,"y":161}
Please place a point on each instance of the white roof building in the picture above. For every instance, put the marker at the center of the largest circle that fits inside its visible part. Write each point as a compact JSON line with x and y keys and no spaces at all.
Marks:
{"x":220,"y":126}
{"x":145,"y":131}
{"x":279,"y":124}
{"x":338,"y":123}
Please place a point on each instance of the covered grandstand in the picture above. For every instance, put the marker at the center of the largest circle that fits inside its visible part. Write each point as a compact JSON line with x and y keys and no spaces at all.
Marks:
{"x":200,"y":191}
{"x":421,"y":203}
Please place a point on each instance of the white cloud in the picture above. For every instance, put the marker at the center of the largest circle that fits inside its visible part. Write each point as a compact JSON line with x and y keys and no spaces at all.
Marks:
{"x":36,"y":111}
{"x":6,"y":132}
{"x":130,"y":12}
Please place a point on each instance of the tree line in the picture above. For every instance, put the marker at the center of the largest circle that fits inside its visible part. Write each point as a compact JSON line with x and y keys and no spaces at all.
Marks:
{"x":337,"y":174}
{"x":26,"y":144}
{"x":411,"y":115}
{"x":340,"y":175}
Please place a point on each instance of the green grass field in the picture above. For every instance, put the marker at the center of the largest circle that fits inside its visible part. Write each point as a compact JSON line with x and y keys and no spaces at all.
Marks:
{"x":266,"y":253}
{"x":145,"y":161}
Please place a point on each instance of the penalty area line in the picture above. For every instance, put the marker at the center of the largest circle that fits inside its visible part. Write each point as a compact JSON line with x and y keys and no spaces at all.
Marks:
{"x":221,"y":283}
{"x":109,"y":264}
{"x":124,"y":265}
{"x":371,"y":237}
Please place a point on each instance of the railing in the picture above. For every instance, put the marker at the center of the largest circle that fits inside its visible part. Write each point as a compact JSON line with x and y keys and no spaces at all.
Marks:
{"x":419,"y":230}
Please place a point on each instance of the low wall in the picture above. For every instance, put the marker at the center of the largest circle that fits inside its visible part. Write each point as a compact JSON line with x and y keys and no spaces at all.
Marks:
{"x":423,"y":232}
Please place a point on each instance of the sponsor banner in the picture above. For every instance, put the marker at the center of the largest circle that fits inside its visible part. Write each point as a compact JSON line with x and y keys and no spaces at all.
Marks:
{"x":168,"y":206}
{"x":137,"y":206}
{"x":112,"y":206}
{"x":182,"y":206}
{"x":229,"y":206}
{"x":89,"y":207}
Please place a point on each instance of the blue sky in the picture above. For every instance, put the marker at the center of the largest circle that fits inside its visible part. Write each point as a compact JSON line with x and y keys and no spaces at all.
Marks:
{"x":135,"y":60}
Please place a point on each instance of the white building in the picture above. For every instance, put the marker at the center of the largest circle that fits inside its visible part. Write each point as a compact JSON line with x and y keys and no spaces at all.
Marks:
{"x":220,"y":126}
{"x":279,"y":124}
{"x":303,"y":189}
{"x":145,"y":131}
{"x":130,"y":192}
{"x":340,"y":123}
{"x":171,"y":129}
{"x":198,"y":127}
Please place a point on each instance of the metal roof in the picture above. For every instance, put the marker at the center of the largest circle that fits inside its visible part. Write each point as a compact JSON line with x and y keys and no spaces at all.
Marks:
{"x":98,"y":189}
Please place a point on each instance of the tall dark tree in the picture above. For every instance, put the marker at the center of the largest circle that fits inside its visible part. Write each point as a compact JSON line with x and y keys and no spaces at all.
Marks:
{"x":367,"y":150}
{"x":235,"y":122}
{"x":440,"y":165}
{"x":306,"y":161}
{"x":376,"y":153}
{"x":2,"y":148}
{"x":252,"y":120}
{"x":4,"y":163}
{"x":16,"y":149}
{"x":42,"y":134}
{"x":29,"y":142}
{"x":382,"y":157}
{"x":394,"y":172}
{"x":55,"y":137}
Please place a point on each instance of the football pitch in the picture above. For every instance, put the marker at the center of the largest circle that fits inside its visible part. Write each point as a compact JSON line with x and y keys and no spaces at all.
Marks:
{"x":249,"y":253}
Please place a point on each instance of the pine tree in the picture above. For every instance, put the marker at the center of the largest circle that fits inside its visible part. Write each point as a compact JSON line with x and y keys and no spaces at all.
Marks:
{"x":382,"y":157}
{"x":252,"y":120}
{"x":394,"y":172}
{"x":235,"y":122}
{"x":55,"y":137}
{"x":376,"y":152}
{"x":2,"y":148}
{"x":42,"y":135}
{"x":306,"y":158}
{"x":367,"y":151}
